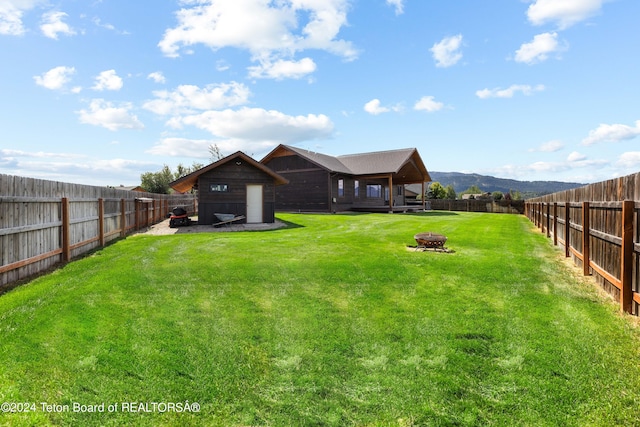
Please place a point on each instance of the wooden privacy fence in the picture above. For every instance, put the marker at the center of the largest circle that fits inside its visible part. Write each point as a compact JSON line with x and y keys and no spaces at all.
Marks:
{"x":40,"y":231}
{"x":478,"y":205}
{"x":598,"y":227}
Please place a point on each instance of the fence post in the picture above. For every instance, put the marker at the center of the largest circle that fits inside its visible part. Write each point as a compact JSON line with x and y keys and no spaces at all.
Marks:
{"x":101,"y":220}
{"x":626,"y":258}
{"x":548,"y":220}
{"x":137,"y":211}
{"x":66,"y":247}
{"x":567,"y":229}
{"x":555,"y":224}
{"x":585,"y":239}
{"x":540,"y":209}
{"x":123,"y":218}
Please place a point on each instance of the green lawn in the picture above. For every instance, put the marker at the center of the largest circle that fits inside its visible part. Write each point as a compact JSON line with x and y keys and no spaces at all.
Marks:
{"x":329,"y":322}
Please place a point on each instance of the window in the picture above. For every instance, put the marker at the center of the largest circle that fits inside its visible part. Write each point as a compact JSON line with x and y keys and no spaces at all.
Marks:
{"x":218,"y":188}
{"x":356,"y":188}
{"x":400,"y":187}
{"x":341,"y":188}
{"x":374,"y":190}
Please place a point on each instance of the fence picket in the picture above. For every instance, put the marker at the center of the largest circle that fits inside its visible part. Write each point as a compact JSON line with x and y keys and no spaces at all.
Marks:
{"x":43,"y":223}
{"x":601,"y":231}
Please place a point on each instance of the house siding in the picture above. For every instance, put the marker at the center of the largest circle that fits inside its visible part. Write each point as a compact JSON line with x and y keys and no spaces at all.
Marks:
{"x":234,"y":200}
{"x":323,"y":183}
{"x":308,"y":188}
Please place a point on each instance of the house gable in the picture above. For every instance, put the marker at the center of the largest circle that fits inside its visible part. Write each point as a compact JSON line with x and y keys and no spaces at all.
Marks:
{"x":308,"y":188}
{"x":187,"y":182}
{"x":222,"y":187}
{"x":319,"y":182}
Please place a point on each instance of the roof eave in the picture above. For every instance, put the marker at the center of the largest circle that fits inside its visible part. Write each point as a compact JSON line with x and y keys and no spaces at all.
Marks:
{"x":187,"y":182}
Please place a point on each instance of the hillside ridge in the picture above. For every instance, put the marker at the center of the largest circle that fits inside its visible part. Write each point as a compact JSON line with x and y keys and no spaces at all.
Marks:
{"x":488,"y":184}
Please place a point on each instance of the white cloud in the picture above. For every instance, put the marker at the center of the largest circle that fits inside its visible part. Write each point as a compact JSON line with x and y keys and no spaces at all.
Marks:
{"x":105,"y":114}
{"x":55,"y":78}
{"x":398,"y":5}
{"x":630,"y":160}
{"x":508,"y":92}
{"x":222,"y":65}
{"x":110,"y":27}
{"x":576,"y":157}
{"x":11,"y":12}
{"x":563,"y":12}
{"x":108,"y":80}
{"x":69,"y":167}
{"x":256,"y":129}
{"x":428,"y":104}
{"x":282,"y":69}
{"x":549,"y":146}
{"x":612,"y":133}
{"x":447,"y":51}
{"x":270,"y":31}
{"x":52,"y":25}
{"x":187,"y":99}
{"x":5,"y":154}
{"x":374,"y":107}
{"x":157,"y":77}
{"x":532,"y":171}
{"x":539,"y":49}
{"x":183,"y":147}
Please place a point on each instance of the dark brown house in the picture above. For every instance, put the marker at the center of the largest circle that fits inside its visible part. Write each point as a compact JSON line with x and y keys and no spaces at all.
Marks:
{"x":321,"y":183}
{"x":236,"y":185}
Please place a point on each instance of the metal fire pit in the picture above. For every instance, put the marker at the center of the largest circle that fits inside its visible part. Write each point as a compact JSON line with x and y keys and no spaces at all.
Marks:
{"x":429,"y":240}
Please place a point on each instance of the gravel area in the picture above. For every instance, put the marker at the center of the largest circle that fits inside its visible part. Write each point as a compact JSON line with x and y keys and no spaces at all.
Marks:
{"x":163,"y":229}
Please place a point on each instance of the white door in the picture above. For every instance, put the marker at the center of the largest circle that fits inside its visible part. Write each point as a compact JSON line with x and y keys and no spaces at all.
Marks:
{"x":254,"y":204}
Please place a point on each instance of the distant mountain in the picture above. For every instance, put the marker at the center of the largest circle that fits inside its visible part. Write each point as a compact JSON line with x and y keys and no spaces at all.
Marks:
{"x":489,"y":184}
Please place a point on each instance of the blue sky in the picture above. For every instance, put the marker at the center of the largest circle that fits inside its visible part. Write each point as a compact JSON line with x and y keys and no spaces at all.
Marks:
{"x":100,"y":91}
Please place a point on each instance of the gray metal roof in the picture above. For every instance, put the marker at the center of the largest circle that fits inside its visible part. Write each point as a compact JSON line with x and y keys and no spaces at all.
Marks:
{"x":328,"y":162}
{"x":377,"y":162}
{"x":405,"y":163}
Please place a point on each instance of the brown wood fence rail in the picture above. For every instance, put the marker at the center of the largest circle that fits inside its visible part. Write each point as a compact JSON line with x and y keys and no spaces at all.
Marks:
{"x":599,"y":227}
{"x":39,"y":231}
{"x":478,"y":205}
{"x":48,"y":231}
{"x":599,"y":236}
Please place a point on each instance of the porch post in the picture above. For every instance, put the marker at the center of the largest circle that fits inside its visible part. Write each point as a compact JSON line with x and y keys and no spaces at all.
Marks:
{"x":390,"y":193}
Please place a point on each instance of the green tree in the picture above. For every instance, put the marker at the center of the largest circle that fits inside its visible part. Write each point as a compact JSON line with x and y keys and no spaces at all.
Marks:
{"x":157,"y":182}
{"x":182,"y":170}
{"x":436,"y":191}
{"x":474,"y":189}
{"x":515,"y":195}
{"x":497,"y":195}
{"x":450,"y":192}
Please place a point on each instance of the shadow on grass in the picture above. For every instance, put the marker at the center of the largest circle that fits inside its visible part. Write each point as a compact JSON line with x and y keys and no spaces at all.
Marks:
{"x":289,"y":225}
{"x":433,"y":213}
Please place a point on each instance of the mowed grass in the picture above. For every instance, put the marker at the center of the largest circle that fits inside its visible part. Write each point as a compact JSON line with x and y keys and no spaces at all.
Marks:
{"x":329,"y":322}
